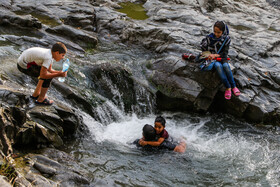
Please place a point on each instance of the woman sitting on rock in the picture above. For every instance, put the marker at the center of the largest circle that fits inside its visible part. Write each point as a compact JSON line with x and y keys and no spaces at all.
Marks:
{"x":218,"y":44}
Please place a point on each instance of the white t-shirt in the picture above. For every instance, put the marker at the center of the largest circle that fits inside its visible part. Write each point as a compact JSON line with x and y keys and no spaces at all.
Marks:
{"x":41,"y":56}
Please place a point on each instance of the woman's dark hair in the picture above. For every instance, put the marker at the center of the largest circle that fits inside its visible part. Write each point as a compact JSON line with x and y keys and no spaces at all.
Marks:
{"x":149,"y":132}
{"x":220,"y":25}
{"x":161,"y":120}
{"x":60,"y":47}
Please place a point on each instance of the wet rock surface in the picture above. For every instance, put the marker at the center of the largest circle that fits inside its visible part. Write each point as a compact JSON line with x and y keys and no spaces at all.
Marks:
{"x":173,"y":28}
{"x":26,"y":124}
{"x":49,"y":168}
{"x":177,"y":27}
{"x":105,"y":76}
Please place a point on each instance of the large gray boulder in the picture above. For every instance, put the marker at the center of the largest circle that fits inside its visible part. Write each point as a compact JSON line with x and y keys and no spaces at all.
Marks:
{"x":24,"y":123}
{"x":49,"y":168}
{"x":32,"y":22}
{"x":174,"y":27}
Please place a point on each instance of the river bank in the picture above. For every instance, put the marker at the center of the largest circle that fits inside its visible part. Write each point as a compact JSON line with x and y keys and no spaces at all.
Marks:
{"x":122,"y":67}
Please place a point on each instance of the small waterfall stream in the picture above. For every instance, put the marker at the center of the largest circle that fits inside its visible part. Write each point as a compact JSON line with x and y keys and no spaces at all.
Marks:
{"x":221,"y":151}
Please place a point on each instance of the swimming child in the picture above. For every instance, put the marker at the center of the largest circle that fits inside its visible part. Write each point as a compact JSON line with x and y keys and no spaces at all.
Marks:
{"x":162,"y":134}
{"x":149,"y":135}
{"x":37,"y":62}
{"x":218,"y":44}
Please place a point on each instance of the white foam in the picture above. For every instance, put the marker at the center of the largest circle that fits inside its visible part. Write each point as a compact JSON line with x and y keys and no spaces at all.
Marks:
{"x":122,"y":132}
{"x":247,"y":155}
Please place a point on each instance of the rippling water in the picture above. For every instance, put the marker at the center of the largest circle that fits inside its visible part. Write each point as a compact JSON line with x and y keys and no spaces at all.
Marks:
{"x":221,"y":151}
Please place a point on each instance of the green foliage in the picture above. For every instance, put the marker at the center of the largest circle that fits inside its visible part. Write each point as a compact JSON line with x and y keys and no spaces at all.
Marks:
{"x":90,"y":48}
{"x":8,"y":171}
{"x":133,"y":10}
{"x":149,"y":65}
{"x":47,"y":20}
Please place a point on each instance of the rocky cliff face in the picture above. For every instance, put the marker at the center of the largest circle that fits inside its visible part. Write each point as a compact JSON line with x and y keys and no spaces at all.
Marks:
{"x":24,"y":125}
{"x":173,"y":27}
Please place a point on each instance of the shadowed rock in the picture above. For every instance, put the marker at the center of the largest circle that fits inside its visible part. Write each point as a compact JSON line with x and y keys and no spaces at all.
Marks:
{"x":179,"y":26}
{"x":35,"y":125}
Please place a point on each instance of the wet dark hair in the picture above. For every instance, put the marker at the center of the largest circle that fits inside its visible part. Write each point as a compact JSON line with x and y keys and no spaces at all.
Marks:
{"x":149,"y":132}
{"x":220,"y":25}
{"x":60,"y":47}
{"x":161,"y":120}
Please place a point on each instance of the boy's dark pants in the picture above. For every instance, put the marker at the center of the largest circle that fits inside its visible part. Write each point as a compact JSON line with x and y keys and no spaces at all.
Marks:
{"x":34,"y":71}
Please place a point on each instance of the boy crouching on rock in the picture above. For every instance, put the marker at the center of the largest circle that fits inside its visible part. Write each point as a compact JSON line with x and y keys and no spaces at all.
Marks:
{"x":37,"y":62}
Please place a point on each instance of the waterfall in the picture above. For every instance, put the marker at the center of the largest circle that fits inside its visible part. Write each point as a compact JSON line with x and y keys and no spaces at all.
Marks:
{"x":234,"y":154}
{"x":121,"y":93}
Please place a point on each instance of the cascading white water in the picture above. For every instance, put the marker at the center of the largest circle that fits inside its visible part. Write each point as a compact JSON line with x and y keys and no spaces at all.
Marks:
{"x":221,"y":151}
{"x":107,"y":112}
{"x":231,"y":156}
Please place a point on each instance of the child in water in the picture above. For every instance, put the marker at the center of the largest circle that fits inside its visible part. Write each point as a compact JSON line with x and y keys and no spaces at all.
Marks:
{"x":160,"y":131}
{"x":149,"y":134}
{"x":218,"y":44}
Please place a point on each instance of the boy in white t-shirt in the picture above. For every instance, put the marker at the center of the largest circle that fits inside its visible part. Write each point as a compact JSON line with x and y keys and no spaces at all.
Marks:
{"x":37,"y":62}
